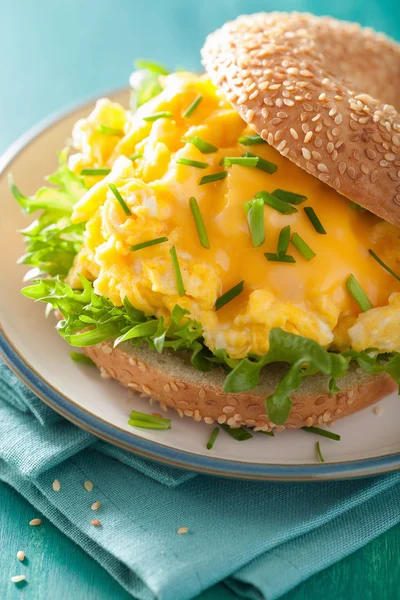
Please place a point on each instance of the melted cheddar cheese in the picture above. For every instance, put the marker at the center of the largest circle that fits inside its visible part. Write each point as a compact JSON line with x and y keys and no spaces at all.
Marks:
{"x":308,"y":298}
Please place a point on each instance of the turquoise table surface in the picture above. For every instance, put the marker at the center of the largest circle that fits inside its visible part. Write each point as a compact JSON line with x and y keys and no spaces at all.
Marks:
{"x":54,"y":54}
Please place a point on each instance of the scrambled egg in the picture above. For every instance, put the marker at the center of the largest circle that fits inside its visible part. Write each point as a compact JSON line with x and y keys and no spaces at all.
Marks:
{"x":308,"y":298}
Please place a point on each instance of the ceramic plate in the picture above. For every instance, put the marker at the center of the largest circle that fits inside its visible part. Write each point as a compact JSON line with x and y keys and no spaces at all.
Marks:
{"x":370,"y":444}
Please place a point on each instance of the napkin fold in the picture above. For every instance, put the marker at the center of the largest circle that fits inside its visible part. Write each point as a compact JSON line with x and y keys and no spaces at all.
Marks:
{"x":261,"y":538}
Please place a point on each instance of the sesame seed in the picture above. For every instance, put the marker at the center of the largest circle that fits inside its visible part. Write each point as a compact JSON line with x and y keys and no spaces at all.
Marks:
{"x":294,"y":133}
{"x":306,"y":153}
{"x":35,"y":522}
{"x":308,"y":136}
{"x":18,"y":578}
{"x":95,"y":505}
{"x":182,"y":530}
{"x":208,"y":420}
{"x":88,"y":485}
{"x":377,"y":410}
{"x":56,"y":485}
{"x":95,"y":522}
{"x":21,"y":555}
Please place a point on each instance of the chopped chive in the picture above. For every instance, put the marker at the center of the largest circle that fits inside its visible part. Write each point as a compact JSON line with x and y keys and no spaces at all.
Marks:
{"x":263,"y":165}
{"x":316,"y":223}
{"x":79,"y":357}
{"x":319,"y":453}
{"x":379,"y":261}
{"x":244,"y":161}
{"x":213,"y":177}
{"x":276,"y":203}
{"x":120,"y":199}
{"x":135,"y":156}
{"x":109,"y":130}
{"x":139,"y":416}
{"x":201,"y":230}
{"x":149,"y":424}
{"x":95,"y":172}
{"x":160,"y":115}
{"x":323,"y":433}
{"x":192,"y":163}
{"x":283,"y":241}
{"x":358,"y":293}
{"x":229,"y":295}
{"x":285,"y":258}
{"x":254,"y":210}
{"x":177,"y":270}
{"x":201,"y":145}
{"x":213,"y":437}
{"x":159,"y":240}
{"x":302,"y":247}
{"x":238,"y":434}
{"x":290,"y":197}
{"x":355,"y":206}
{"x":251,"y":140}
{"x":270,"y":433}
{"x":190,"y":110}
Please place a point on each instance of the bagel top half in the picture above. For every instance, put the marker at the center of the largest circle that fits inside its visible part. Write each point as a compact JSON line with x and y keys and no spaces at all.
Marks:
{"x":324,"y":93}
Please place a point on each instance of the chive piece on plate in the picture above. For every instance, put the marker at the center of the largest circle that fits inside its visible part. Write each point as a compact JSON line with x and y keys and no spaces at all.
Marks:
{"x":284,"y":258}
{"x":263,"y":165}
{"x":177,"y":270}
{"x":380,"y":262}
{"x":302,"y":247}
{"x":319,"y":453}
{"x":238,"y":434}
{"x":139,"y":416}
{"x":229,"y":295}
{"x":276,"y":203}
{"x":192,"y":163}
{"x":109,"y":130}
{"x":283,"y":241}
{"x":135,"y":156}
{"x":198,"y":219}
{"x":213,"y":177}
{"x":358,"y":293}
{"x":270,"y":433}
{"x":213,"y":437}
{"x":95,"y":172}
{"x":79,"y":357}
{"x":149,"y":424}
{"x":323,"y":433}
{"x":244,"y":161}
{"x":316,"y":223}
{"x":254,"y":210}
{"x":165,"y":114}
{"x":290,"y":197}
{"x":201,"y":145}
{"x":120,"y":199}
{"x":190,"y":110}
{"x":149,"y":243}
{"x":251,"y":140}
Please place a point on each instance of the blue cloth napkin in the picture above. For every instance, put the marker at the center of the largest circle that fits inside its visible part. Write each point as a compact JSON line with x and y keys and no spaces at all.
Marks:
{"x":261,"y":538}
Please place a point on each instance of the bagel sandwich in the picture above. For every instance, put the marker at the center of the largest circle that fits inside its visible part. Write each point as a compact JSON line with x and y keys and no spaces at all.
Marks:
{"x":229,"y":245}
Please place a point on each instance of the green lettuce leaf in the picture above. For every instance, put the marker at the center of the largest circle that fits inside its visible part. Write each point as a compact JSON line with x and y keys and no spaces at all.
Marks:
{"x":145,"y":82}
{"x":52,"y":241}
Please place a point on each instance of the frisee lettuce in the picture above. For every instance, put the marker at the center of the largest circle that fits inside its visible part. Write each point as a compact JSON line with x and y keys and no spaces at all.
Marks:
{"x":52,"y":241}
{"x":145,"y":82}
{"x":90,"y":319}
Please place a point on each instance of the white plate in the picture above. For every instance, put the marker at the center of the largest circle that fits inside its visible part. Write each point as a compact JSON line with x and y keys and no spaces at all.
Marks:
{"x":30,"y":345}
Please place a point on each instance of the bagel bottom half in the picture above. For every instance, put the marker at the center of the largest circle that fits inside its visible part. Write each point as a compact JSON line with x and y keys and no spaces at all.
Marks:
{"x":172,"y":381}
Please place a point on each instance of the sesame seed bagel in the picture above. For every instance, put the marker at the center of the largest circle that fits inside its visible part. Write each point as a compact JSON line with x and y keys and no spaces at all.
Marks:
{"x":171,"y":380}
{"x":323,"y":93}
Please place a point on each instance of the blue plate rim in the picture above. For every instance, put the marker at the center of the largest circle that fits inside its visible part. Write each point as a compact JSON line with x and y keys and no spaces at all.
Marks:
{"x":149,"y":449}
